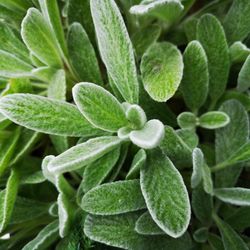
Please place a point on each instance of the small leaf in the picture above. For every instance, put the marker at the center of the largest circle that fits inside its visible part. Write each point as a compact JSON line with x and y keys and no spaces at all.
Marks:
{"x":243,"y":78}
{"x":136,"y":115}
{"x":211,"y":35}
{"x":165,"y":194}
{"x":114,"y":198}
{"x":46,"y":237}
{"x":150,"y":136}
{"x":82,"y":55}
{"x":201,"y":235}
{"x":43,"y":44}
{"x":239,"y":52}
{"x":99,"y":107}
{"x":186,"y":120}
{"x":194,"y":85}
{"x":46,"y":115}
{"x":236,"y":196}
{"x":145,"y":225}
{"x":83,"y":154}
{"x":115,"y":48}
{"x":162,"y":69}
{"x":198,"y":163}
{"x":213,"y":120}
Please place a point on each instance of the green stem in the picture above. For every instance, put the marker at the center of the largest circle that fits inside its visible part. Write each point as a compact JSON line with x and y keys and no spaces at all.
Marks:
{"x":220,"y":166}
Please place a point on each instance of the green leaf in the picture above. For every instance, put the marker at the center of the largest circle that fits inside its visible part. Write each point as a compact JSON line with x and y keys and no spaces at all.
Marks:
{"x":190,"y":28}
{"x":145,"y":225}
{"x":236,"y":195}
{"x":115,"y":48}
{"x":214,"y":120}
{"x":136,"y":115}
{"x":186,"y":120}
{"x":162,"y":69}
{"x":201,"y":235}
{"x":83,"y":154}
{"x":189,"y":136}
{"x":239,"y":52}
{"x":82,"y":55}
{"x":46,"y":237}
{"x":231,"y":240}
{"x":237,"y":21}
{"x":229,"y":139}
{"x":17,"y":85}
{"x":8,"y":200}
{"x":215,"y":242}
{"x":11,"y":66}
{"x":44,"y":43}
{"x":194,"y":85}
{"x":212,"y":37}
{"x":137,"y":163}
{"x":99,"y":107}
{"x":198,"y":163}
{"x":15,"y":5}
{"x":243,"y":77}
{"x":165,"y":194}
{"x":44,"y":73}
{"x":114,"y":198}
{"x":150,"y":136}
{"x":46,"y":115}
{"x":118,"y":231}
{"x":96,"y":172}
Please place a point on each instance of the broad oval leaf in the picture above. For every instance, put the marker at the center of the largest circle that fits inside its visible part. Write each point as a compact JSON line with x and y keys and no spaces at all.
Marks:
{"x":99,"y":107}
{"x":115,"y":48}
{"x":46,"y":115}
{"x":244,"y":78}
{"x":83,"y":154}
{"x":186,"y":120}
{"x":114,"y":198}
{"x":165,"y":194}
{"x":162,"y":69}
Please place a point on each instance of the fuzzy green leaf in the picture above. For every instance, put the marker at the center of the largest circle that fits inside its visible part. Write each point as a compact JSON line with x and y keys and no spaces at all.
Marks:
{"x":114,"y":198}
{"x":136,"y":115}
{"x":194,"y":85}
{"x":115,"y":48}
{"x":198,"y":163}
{"x":244,"y":76}
{"x":239,"y":52}
{"x":186,"y":120}
{"x":99,"y":107}
{"x":212,"y":37}
{"x":44,"y":73}
{"x":46,"y":115}
{"x":165,"y":194}
{"x":162,"y":69}
{"x":83,"y":154}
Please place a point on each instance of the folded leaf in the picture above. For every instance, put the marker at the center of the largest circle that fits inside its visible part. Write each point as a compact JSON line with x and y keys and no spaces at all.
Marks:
{"x":165,"y":194}
{"x":46,"y":115}
{"x":194,"y":85}
{"x":244,"y":78}
{"x":115,"y":48}
{"x":114,"y":198}
{"x":162,"y":69}
{"x":212,"y":37}
{"x":83,"y":154}
{"x":99,"y":107}
{"x":43,"y":44}
{"x":186,"y":120}
{"x":236,"y":196}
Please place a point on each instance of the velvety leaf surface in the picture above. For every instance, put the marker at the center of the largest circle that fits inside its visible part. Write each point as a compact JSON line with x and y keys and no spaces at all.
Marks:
{"x":239,"y":52}
{"x":198,"y":163}
{"x":186,"y":120}
{"x":244,"y":78}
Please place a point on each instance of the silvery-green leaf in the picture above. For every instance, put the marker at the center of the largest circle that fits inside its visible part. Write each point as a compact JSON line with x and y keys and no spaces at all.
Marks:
{"x":237,"y":21}
{"x":190,"y":28}
{"x":11,"y":66}
{"x":207,"y":179}
{"x":186,"y":120}
{"x":236,"y":195}
{"x":229,"y":139}
{"x":189,"y":136}
{"x":201,"y":235}
{"x":35,"y":61}
{"x":123,"y":133}
{"x":44,"y":73}
{"x":239,"y":52}
{"x":9,"y":198}
{"x":136,"y":115}
{"x":43,"y":44}
{"x":231,"y":240}
{"x":165,"y":194}
{"x":137,"y":163}
{"x":145,"y":225}
{"x":46,"y":237}
{"x":198,"y":163}
{"x":166,"y":10}
{"x":99,"y":107}
{"x":194,"y":85}
{"x":51,"y":12}
{"x":243,"y":77}
{"x":96,"y":172}
{"x":115,"y":48}
{"x":83,"y":154}
{"x":118,"y":231}
{"x":82,"y":55}
{"x":33,"y":178}
{"x":150,"y":136}
{"x":213,"y":120}
{"x":162,"y":69}
{"x":114,"y":198}
{"x":46,"y":115}
{"x":211,"y":35}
